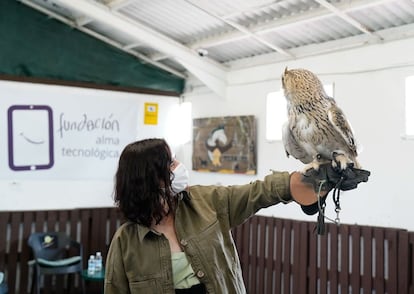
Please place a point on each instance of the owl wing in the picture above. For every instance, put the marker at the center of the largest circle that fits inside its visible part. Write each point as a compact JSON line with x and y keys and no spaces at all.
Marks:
{"x":338,"y":120}
{"x":292,"y":147}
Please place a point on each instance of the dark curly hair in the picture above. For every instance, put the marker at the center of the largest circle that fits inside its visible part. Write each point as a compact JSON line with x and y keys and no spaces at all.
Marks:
{"x":143,"y":181}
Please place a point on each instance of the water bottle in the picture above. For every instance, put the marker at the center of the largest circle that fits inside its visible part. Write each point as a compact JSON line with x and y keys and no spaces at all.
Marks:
{"x":98,"y":262}
{"x":91,"y":265}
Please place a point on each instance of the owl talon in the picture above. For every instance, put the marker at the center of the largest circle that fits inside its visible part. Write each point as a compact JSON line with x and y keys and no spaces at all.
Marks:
{"x":313,"y":165}
{"x":340,"y":161}
{"x":310,"y":166}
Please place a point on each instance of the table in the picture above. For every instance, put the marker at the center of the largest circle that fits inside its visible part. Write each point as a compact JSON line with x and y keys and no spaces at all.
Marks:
{"x":97,"y":277}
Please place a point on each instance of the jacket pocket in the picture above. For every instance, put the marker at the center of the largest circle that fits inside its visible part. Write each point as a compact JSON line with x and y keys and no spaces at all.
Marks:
{"x":145,"y":287}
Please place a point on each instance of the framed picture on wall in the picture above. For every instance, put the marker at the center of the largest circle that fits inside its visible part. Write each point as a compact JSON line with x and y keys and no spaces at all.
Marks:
{"x":225,"y":144}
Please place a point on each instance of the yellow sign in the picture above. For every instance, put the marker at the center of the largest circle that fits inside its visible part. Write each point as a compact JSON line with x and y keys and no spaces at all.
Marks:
{"x":151,"y":114}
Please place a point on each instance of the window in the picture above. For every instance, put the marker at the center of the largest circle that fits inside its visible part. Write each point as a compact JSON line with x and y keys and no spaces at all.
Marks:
{"x":409,"y":106}
{"x":183,"y":130}
{"x":276,"y":113}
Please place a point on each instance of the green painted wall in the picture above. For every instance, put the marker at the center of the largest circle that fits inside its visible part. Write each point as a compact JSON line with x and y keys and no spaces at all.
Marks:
{"x":35,"y":45}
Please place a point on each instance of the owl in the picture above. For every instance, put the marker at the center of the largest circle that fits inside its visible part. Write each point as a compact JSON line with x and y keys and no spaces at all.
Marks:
{"x":317,"y":130}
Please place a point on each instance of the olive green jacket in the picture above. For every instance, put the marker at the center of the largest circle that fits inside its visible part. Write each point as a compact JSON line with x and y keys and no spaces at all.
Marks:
{"x":139,"y":259}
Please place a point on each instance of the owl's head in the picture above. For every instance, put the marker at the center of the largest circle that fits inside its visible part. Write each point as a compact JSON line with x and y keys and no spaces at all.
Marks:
{"x":300,"y":81}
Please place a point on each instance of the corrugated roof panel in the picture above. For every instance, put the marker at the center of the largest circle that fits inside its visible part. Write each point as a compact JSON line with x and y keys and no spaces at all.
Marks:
{"x":276,"y":10}
{"x":404,"y":9}
{"x":175,"y":18}
{"x":239,"y":49}
{"x":388,"y":15}
{"x":339,"y":28}
{"x":317,"y":33}
{"x":371,"y":20}
{"x":323,"y":30}
{"x":227,"y":8}
{"x":281,"y":40}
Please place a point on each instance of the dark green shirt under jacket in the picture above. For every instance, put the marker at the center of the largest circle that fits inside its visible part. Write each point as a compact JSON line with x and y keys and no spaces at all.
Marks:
{"x":139,"y":259}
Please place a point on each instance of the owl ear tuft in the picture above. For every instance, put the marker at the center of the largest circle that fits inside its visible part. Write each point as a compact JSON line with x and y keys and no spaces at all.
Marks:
{"x":286,"y":70}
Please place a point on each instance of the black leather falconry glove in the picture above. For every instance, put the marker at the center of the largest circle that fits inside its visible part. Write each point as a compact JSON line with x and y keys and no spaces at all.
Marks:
{"x":328,"y":178}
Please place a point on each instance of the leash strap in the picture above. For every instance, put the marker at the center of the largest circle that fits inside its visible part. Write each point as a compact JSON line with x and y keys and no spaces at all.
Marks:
{"x":320,"y":226}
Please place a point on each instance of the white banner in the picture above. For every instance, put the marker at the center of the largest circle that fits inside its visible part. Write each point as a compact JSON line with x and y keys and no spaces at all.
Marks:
{"x":55,"y":132}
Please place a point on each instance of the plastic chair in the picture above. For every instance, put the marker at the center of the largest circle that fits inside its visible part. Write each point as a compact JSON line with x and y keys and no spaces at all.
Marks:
{"x":53,"y":254}
{"x":3,"y":285}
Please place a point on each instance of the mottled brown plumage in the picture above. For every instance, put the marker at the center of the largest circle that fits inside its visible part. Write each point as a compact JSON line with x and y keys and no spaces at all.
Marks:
{"x":317,"y":130}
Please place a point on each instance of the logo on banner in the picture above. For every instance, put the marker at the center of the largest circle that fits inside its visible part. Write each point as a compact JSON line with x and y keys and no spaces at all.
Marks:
{"x":30,"y":137}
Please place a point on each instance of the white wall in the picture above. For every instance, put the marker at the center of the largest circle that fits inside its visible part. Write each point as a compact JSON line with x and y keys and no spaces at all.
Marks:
{"x":369,"y":87}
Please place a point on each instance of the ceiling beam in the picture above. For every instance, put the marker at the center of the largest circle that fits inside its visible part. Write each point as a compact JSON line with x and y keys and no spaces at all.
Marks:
{"x":212,"y":73}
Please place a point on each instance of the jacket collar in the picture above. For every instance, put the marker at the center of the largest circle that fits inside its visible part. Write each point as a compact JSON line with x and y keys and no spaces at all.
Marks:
{"x":143,"y":231}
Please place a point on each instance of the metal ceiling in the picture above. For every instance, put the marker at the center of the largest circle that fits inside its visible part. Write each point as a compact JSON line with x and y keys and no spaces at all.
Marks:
{"x":211,"y":37}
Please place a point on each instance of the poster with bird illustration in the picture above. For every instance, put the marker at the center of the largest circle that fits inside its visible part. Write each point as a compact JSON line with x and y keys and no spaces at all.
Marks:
{"x":225,"y":144}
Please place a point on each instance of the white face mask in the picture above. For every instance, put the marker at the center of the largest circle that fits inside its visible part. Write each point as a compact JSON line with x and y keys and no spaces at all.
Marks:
{"x":181,"y":178}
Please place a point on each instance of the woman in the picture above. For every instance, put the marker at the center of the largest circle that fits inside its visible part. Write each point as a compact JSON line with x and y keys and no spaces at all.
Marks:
{"x":178,"y":238}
